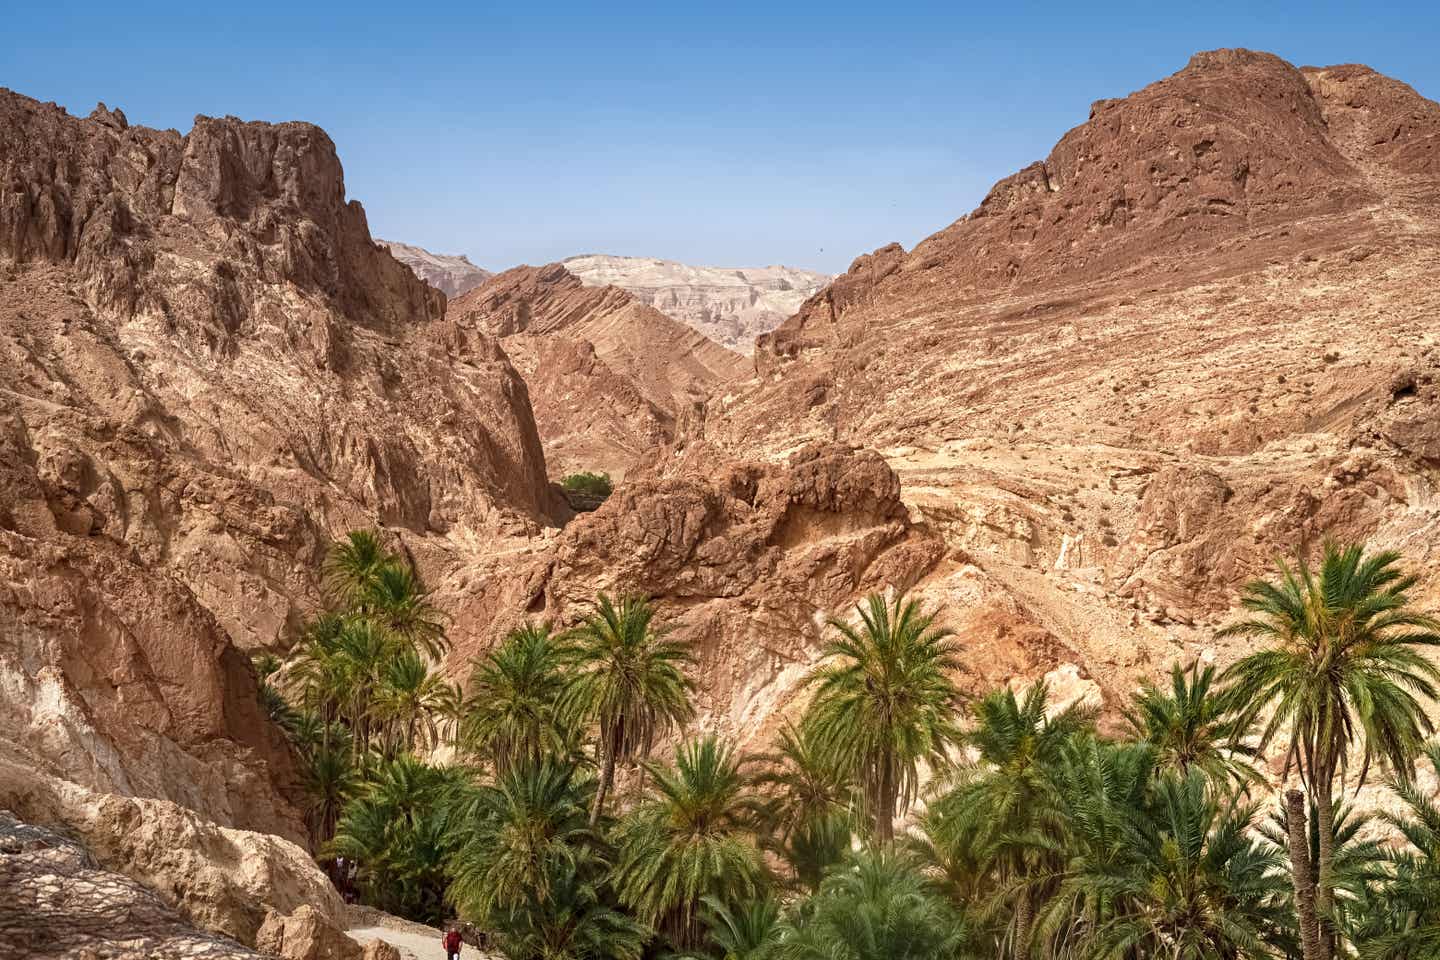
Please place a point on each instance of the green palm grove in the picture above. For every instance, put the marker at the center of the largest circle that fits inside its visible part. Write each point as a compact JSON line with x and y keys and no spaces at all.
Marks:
{"x":580,"y":817}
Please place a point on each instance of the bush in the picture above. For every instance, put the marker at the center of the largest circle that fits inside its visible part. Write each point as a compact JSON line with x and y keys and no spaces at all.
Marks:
{"x":588,"y":484}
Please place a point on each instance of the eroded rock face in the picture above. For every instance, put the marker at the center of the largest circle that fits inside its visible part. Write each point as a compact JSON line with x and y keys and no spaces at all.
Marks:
{"x":219,"y":879}
{"x":1194,"y":338}
{"x":732,"y":306}
{"x":609,"y":376}
{"x":60,"y":903}
{"x":746,"y":560}
{"x":210,"y":370}
{"x":304,"y":935}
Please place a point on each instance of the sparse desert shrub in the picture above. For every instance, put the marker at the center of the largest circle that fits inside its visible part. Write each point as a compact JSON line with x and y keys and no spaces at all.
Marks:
{"x":590,"y":484}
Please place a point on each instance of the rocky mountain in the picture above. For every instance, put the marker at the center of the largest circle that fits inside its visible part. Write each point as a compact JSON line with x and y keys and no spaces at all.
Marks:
{"x":451,"y":274}
{"x":210,"y":369}
{"x":1197,"y":335}
{"x":731,"y":306}
{"x":609,"y":376}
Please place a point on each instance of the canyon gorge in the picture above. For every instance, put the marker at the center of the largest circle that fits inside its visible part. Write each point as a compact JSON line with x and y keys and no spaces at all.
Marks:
{"x":1199,"y":335}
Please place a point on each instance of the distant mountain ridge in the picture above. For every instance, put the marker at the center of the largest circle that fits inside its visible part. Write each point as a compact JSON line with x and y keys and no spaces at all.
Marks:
{"x":451,"y":274}
{"x":730,"y":305}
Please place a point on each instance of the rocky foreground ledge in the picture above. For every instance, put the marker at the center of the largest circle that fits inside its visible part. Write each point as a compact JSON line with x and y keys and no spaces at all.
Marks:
{"x":58,"y":902}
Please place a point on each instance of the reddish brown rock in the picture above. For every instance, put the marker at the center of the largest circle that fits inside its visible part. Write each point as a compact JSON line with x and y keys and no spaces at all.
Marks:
{"x":609,"y":376}
{"x":211,"y":369}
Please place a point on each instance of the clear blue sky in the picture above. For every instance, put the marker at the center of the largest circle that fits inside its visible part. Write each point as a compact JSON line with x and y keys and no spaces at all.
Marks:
{"x":732,"y":134}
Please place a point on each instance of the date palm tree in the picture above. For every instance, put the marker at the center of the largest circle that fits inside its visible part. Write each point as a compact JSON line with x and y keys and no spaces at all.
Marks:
{"x":1191,"y":881}
{"x":884,"y":703}
{"x":809,"y":803}
{"x":989,"y":834}
{"x":352,"y":566}
{"x":520,"y":835}
{"x":1192,"y":727}
{"x":512,"y":715}
{"x":630,"y":686}
{"x":1343,"y":669}
{"x":396,"y":598}
{"x":1408,"y":901}
{"x":689,"y":840}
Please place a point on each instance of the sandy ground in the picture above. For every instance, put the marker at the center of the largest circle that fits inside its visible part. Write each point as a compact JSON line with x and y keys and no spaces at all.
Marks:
{"x":411,"y":944}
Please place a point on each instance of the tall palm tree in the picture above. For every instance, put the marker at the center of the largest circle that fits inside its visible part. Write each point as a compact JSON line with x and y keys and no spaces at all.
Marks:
{"x":1192,"y":727}
{"x":512,"y":715}
{"x":520,"y":834}
{"x":989,"y":834}
{"x":884,"y":702}
{"x":1343,"y":669}
{"x":875,"y":906}
{"x":396,"y":598}
{"x":631,"y":685}
{"x":330,"y":781}
{"x":690,"y":839}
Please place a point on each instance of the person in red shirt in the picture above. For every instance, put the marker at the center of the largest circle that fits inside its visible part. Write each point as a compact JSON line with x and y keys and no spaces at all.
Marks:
{"x":452,"y":943}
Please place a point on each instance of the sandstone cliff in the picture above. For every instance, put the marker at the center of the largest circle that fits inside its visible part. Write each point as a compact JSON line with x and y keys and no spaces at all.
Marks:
{"x":731,"y":306}
{"x":210,"y":369}
{"x":452,"y":275}
{"x":609,"y":377}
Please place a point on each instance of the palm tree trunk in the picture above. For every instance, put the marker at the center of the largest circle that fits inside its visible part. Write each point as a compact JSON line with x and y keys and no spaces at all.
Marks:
{"x":1325,"y":881}
{"x":607,"y":777}
{"x":1302,"y":874}
{"x":1023,"y":923}
{"x":885,"y":805}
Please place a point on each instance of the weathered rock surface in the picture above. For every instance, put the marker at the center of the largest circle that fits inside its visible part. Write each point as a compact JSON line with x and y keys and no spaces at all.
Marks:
{"x":219,"y":879}
{"x":451,"y":274}
{"x":1198,"y":335}
{"x":304,"y":935}
{"x":746,"y":560}
{"x":58,"y":902}
{"x":210,"y":368}
{"x":609,"y":376}
{"x":730,"y":305}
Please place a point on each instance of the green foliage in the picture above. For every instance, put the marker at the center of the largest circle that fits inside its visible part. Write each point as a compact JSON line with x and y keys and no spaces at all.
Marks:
{"x":512,"y":715}
{"x":884,"y":703}
{"x":630,"y":684}
{"x":1192,"y":729}
{"x":1040,"y":838}
{"x":588,"y":484}
{"x":875,"y":906}
{"x":690,"y":839}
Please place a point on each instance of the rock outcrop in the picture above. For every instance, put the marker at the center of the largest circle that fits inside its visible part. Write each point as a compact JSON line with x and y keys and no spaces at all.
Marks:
{"x":451,"y":274}
{"x":210,"y":369}
{"x":730,"y":305}
{"x":609,"y":377}
{"x":746,"y":561}
{"x":59,"y":903}
{"x":219,"y":879}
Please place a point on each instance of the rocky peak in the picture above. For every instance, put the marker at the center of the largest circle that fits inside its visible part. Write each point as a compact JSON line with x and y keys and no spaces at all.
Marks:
{"x":452,"y":275}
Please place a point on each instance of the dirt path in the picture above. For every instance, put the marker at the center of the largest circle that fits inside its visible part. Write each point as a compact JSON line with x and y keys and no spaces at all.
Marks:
{"x":412,"y":944}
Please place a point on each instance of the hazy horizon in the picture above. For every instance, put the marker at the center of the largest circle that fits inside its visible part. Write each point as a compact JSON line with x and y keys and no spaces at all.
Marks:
{"x":801,"y":136}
